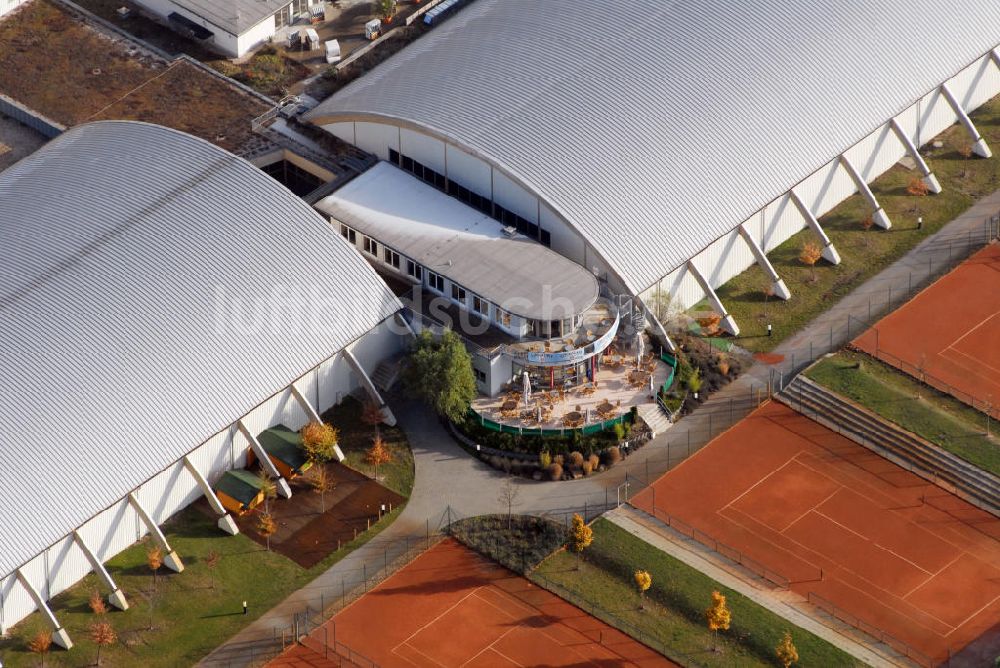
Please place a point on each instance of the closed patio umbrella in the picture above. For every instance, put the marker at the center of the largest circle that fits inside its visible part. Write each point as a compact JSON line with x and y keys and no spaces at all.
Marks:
{"x":527,"y":389}
{"x":638,"y":354}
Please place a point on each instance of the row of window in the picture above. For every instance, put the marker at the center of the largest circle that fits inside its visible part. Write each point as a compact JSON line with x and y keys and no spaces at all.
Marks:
{"x":434,"y":281}
{"x":475,"y":200}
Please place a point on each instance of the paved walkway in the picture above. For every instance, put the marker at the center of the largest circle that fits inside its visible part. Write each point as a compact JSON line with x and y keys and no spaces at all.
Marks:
{"x":448,"y":478}
{"x":779,"y":602}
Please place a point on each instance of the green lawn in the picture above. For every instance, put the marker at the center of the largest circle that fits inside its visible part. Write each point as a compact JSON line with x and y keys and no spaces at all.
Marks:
{"x":356,"y":438}
{"x":937,"y":417}
{"x":673,"y":613}
{"x":863,"y":253}
{"x":189,"y":616}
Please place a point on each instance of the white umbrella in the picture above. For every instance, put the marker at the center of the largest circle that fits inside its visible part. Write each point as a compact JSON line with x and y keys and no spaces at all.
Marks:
{"x":527,"y":388}
{"x":638,"y":355}
{"x":539,"y":412}
{"x":588,"y":414}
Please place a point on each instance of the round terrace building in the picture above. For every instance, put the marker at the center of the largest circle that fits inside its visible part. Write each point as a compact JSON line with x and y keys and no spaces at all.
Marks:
{"x":666,"y":147}
{"x":162,"y":302}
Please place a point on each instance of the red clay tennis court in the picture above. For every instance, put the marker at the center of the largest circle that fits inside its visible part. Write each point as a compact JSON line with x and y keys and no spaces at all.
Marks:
{"x":949,"y":334}
{"x":452,"y":607}
{"x":841,"y":523}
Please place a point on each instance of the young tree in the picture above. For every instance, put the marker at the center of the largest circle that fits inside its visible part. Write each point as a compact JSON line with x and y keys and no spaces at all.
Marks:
{"x":643,"y":581}
{"x":378,"y":454}
{"x":440,"y":373}
{"x":809,"y":256}
{"x":96,"y":603}
{"x":371,"y":415}
{"x":154,"y":559}
{"x":103,"y":635}
{"x":507,"y":496}
{"x":266,"y":528}
{"x":321,"y":482}
{"x":917,"y":187}
{"x":709,"y":323}
{"x":787,"y":654}
{"x":867,"y":224}
{"x":768,"y":293}
{"x":580,"y":535}
{"x":318,"y":441}
{"x":386,"y":9}
{"x":965,"y":150}
{"x":268,"y":488}
{"x":718,"y":615}
{"x":212,"y":560}
{"x":41,"y":644}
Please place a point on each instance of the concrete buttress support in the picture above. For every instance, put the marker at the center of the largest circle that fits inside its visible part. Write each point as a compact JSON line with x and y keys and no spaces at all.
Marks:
{"x":878,"y":213}
{"x":979,"y":145}
{"x":728,"y":323}
{"x":170,"y":558}
{"x":830,"y":253}
{"x":265,"y":460}
{"x":911,"y":149}
{"x":777,"y":285}
{"x":59,"y":635}
{"x":225,"y":522}
{"x":116,"y":597}
{"x":314,"y":415}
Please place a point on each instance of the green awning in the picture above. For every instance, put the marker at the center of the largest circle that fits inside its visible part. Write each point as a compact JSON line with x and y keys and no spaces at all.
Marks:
{"x":240,"y":485}
{"x":285,"y":445}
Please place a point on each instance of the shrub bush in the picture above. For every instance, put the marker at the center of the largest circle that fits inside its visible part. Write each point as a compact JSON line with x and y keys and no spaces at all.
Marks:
{"x":619,"y":429}
{"x":495,"y":461}
{"x":544,"y":459}
{"x":559,"y":459}
{"x":588,"y":467}
{"x":612,"y":456}
{"x":595,"y":461}
{"x":575,"y":459}
{"x":555,"y":472}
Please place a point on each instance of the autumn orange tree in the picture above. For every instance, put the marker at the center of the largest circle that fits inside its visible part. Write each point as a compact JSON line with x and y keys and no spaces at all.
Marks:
{"x":371,"y":415}
{"x":322,"y":483}
{"x":378,"y":454}
{"x":581,"y":535}
{"x":809,"y":256}
{"x":268,"y":488}
{"x":786,"y":652}
{"x":318,"y":441}
{"x":103,"y":635}
{"x":212,"y":560}
{"x":917,"y":187}
{"x":266,"y":527}
{"x":643,"y":581}
{"x":154,"y":559}
{"x":96,"y":603}
{"x":718,"y":615}
{"x":40,"y":644}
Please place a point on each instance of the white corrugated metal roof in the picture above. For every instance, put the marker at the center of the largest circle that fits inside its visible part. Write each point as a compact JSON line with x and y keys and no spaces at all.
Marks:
{"x":127,"y":250}
{"x":654,"y":126}
{"x":467,"y":247}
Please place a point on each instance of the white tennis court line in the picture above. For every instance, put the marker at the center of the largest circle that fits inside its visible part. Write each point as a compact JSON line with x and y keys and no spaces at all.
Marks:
{"x":457,"y":603}
{"x":753,"y":486}
{"x":978,"y":364}
{"x":488,"y":647}
{"x":814,"y":507}
{"x":875,"y":543}
{"x":400,"y":656}
{"x":932,"y":576}
{"x":902,"y":614}
{"x":976,"y":613}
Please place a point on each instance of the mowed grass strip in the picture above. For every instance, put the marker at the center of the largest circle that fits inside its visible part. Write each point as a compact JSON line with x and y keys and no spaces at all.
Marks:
{"x":903,"y":400}
{"x":673,"y":612}
{"x":188,"y":614}
{"x":864,"y":252}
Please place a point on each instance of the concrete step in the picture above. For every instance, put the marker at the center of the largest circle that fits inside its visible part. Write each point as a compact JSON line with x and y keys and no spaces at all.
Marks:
{"x":891,"y":441}
{"x":654,"y":416}
{"x":387,"y":373}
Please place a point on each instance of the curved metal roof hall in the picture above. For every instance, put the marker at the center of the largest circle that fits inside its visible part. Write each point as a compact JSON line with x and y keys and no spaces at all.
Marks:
{"x":656,"y":127}
{"x":154,"y":289}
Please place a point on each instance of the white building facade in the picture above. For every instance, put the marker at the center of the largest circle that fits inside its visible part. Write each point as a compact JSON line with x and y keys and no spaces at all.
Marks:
{"x":673,"y":165}
{"x":166,"y":302}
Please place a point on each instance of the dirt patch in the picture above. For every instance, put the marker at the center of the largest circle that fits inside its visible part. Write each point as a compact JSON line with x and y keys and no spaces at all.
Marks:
{"x":769,"y":358}
{"x":306,"y":534}
{"x":69,"y":71}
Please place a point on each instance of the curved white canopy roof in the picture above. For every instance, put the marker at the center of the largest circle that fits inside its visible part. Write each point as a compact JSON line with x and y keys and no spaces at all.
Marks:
{"x":154,"y":288}
{"x":655,"y":127}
